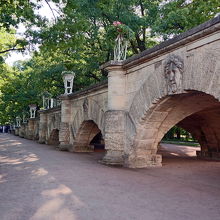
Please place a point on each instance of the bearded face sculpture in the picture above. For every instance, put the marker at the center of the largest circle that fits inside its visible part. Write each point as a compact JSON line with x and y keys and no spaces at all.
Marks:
{"x":173,"y":69}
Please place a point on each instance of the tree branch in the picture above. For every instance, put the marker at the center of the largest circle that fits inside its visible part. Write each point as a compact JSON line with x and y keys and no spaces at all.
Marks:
{"x":90,"y":74}
{"x":142,"y":8}
{"x":142,"y":13}
{"x":12,"y":49}
{"x":107,"y":17}
{"x":134,"y":47}
{"x":141,"y":44}
{"x":51,"y":10}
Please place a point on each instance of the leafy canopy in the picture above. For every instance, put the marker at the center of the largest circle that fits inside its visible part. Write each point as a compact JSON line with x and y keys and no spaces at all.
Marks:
{"x":78,"y":39}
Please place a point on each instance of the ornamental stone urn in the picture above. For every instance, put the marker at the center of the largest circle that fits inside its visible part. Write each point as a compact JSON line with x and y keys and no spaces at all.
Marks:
{"x":68,"y":77}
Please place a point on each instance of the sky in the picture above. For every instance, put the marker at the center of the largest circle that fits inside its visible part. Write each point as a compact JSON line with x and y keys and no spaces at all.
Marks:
{"x":44,"y":11}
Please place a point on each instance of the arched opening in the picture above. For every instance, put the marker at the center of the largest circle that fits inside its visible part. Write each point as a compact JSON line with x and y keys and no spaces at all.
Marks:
{"x":196,"y":112}
{"x":54,"y":137}
{"x":89,"y":138}
{"x":98,"y":143}
{"x":178,"y":143}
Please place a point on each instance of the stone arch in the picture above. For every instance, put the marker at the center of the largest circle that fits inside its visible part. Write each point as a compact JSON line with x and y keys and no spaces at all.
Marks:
{"x":53,"y":127}
{"x":154,"y":110}
{"x":54,"y":137}
{"x":87,"y":131}
{"x":195,"y":111}
{"x":89,"y":117}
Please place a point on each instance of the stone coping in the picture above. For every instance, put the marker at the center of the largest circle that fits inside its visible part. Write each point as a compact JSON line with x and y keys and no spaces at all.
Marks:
{"x":168,"y":45}
{"x":33,"y":119}
{"x":54,"y":109}
{"x":85,"y":91}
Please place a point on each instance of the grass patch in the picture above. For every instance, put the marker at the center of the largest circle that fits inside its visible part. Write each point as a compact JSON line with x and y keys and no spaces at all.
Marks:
{"x":185,"y":143}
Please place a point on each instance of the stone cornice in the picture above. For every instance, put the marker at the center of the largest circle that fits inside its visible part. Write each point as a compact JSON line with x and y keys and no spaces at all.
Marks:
{"x":85,"y":91}
{"x":33,"y":119}
{"x":55,"y":109}
{"x":112,"y":63}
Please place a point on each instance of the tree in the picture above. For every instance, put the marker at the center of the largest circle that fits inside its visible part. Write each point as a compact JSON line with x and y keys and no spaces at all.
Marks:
{"x":78,"y":40}
{"x":8,"y":42}
{"x":80,"y":34}
{"x":13,"y":13}
{"x":177,"y":16}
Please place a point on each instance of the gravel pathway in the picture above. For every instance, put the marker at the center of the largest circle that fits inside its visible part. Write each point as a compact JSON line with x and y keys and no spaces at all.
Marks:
{"x":40,"y":183}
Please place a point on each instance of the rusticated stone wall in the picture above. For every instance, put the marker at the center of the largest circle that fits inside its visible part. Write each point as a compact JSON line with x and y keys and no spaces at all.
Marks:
{"x":177,"y":82}
{"x":82,"y":117}
{"x":32,"y":130}
{"x":79,"y":119}
{"x":174,"y":83}
{"x":29,"y":130}
{"x":49,"y":126}
{"x":22,"y":130}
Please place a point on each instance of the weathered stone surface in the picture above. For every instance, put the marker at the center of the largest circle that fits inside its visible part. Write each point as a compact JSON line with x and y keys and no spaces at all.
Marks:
{"x":177,"y":82}
{"x":31,"y":129}
{"x":114,"y":141}
{"x":114,"y":121}
{"x":16,"y":131}
{"x":145,"y":160}
{"x":113,"y":157}
{"x":174,"y":69}
{"x":64,"y":135}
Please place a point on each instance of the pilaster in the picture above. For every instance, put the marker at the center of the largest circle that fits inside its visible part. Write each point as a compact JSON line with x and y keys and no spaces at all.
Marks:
{"x":64,"y":134}
{"x":115,"y":117}
{"x":42,"y":127}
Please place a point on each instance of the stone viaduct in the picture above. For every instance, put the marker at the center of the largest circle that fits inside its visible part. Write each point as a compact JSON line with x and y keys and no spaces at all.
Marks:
{"x":174,"y":83}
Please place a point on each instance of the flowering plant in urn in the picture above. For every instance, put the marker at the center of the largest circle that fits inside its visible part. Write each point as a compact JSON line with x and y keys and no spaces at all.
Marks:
{"x":121,"y":33}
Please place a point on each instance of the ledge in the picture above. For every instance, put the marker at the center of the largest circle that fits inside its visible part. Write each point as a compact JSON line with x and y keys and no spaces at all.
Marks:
{"x":85,"y":91}
{"x":33,"y":119}
{"x":111,"y":63}
{"x":54,"y":109}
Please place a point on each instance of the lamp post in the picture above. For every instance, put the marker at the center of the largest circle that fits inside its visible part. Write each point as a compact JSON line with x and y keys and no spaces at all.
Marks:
{"x":68,"y":77}
{"x":33,"y":109}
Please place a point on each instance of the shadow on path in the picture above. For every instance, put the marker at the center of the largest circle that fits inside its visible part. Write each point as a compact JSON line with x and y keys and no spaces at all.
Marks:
{"x":39,"y":182}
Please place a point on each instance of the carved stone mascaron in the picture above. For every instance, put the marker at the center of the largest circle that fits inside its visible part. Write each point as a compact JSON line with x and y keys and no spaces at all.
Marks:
{"x":173,"y":70}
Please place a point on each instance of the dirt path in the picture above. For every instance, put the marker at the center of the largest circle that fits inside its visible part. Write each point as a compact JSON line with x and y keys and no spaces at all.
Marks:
{"x":38,"y":182}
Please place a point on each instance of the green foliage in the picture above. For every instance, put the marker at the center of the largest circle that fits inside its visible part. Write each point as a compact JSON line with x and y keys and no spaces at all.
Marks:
{"x":8,"y":42}
{"x":119,"y":29}
{"x":80,"y":40}
{"x":177,"y":16}
{"x":24,"y":85}
{"x":7,"y":38}
{"x":178,"y":134}
{"x":13,"y":12}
